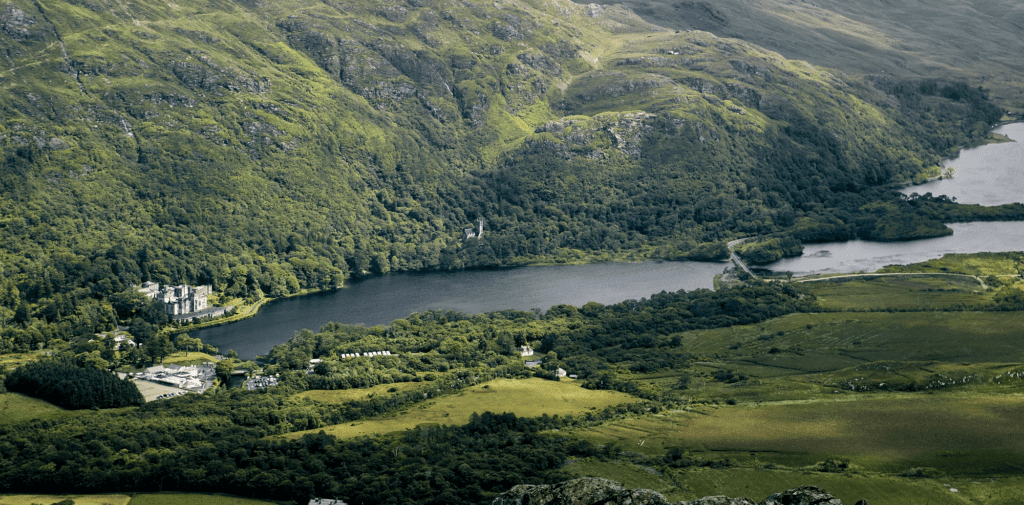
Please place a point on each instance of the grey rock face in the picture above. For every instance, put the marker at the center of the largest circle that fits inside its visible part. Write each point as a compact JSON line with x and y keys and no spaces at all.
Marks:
{"x":718,"y":500}
{"x":584,"y":491}
{"x":598,"y":491}
{"x":803,"y":495}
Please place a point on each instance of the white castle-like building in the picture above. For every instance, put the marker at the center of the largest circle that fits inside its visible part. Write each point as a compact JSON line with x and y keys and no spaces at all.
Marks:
{"x":478,"y":234}
{"x":178,"y":300}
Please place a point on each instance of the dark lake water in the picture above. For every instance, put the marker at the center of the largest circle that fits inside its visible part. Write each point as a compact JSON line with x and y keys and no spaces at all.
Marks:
{"x":380,"y":300}
{"x":864,"y":256}
{"x":989,"y":175}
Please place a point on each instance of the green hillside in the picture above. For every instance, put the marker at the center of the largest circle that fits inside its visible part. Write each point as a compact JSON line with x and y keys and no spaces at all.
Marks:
{"x":268,"y":147}
{"x":978,"y":41}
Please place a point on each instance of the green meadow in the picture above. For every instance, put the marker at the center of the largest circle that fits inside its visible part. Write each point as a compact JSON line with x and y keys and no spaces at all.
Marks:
{"x":16,"y":407}
{"x":956,"y":434}
{"x":756,"y":483}
{"x":192,"y":499}
{"x":525,"y":398}
{"x":346,"y":395}
{"x":900,"y":292}
{"x":79,"y":499}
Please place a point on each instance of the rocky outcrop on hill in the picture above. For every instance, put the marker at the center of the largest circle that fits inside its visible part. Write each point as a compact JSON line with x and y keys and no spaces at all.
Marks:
{"x":584,"y":491}
{"x":804,"y":495}
{"x":595,"y":491}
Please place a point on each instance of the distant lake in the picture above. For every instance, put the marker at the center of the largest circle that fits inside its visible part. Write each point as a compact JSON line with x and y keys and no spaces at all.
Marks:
{"x":380,"y":300}
{"x":989,"y":175}
{"x":992,"y":174}
{"x":864,"y":256}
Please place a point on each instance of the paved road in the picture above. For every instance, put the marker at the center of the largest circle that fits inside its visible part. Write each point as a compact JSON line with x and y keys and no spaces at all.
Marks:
{"x":736,"y":259}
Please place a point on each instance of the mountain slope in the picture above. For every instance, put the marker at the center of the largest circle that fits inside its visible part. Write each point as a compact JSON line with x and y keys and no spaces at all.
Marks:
{"x":265,"y":147}
{"x":978,"y":41}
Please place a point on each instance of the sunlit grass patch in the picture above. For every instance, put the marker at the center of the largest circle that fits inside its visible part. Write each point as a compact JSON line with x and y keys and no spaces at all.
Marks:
{"x":191,"y":499}
{"x":757,"y":484}
{"x":898,"y":292}
{"x":982,"y":264}
{"x":17,"y":359}
{"x":630,"y":475}
{"x":16,"y":407}
{"x":969,"y":337}
{"x":954,"y":433}
{"x":346,"y":395}
{"x":79,"y":499}
{"x":190,"y":358}
{"x":525,"y":398}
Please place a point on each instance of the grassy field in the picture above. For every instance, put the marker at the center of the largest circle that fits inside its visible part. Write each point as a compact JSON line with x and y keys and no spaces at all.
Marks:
{"x":191,"y":358}
{"x":899,"y":292}
{"x":17,"y":359}
{"x":981,"y":264}
{"x":79,"y":499}
{"x":805,"y":356}
{"x":957,"y":434}
{"x":346,"y":395}
{"x":16,"y":407}
{"x":777,"y":399}
{"x":192,"y":499}
{"x":759,"y":483}
{"x":528,"y":398}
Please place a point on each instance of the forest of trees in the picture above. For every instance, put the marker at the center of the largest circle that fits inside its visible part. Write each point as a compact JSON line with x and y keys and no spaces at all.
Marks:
{"x":71,"y":386}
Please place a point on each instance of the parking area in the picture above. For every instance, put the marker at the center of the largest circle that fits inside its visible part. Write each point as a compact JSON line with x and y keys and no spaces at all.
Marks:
{"x":152,"y":391}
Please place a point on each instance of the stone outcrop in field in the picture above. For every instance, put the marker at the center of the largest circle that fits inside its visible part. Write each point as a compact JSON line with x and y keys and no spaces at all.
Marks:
{"x":595,"y":490}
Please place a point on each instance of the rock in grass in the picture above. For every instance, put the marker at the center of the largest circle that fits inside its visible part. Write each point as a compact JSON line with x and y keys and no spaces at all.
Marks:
{"x":583,"y":491}
{"x":717,"y":500}
{"x":803,"y":495}
{"x":598,"y":491}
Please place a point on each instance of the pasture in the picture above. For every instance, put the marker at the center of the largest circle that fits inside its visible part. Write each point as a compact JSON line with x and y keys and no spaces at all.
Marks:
{"x":346,"y":395}
{"x":14,"y":360}
{"x":757,"y":483}
{"x":1006,"y":264}
{"x":192,"y":499}
{"x":956,"y":434}
{"x":16,"y":407}
{"x":899,"y":292}
{"x":188,"y":358}
{"x":525,"y":398}
{"x":79,"y":499}
{"x":805,"y":356}
{"x":867,"y":336}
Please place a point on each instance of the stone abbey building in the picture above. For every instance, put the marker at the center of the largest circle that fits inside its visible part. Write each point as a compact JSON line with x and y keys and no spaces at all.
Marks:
{"x":178,"y":300}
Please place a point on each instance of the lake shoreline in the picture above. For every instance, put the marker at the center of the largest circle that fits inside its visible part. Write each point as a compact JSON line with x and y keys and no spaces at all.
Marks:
{"x":575,"y":277}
